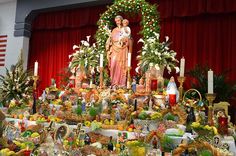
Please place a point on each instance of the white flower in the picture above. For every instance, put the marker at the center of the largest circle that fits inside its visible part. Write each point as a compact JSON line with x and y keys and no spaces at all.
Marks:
{"x":98,"y":69}
{"x":82,"y":42}
{"x":75,"y":46}
{"x":167,"y":38}
{"x":151,"y":64}
{"x":177,"y":69}
{"x":94,"y":45}
{"x":141,"y":40}
{"x":86,"y":44}
{"x":92,"y":71}
{"x":88,"y":37}
{"x":157,"y":67}
{"x":70,"y":64}
{"x":169,"y":69}
{"x":137,"y":69}
{"x":167,"y":48}
{"x":70,"y":56}
{"x":157,"y":35}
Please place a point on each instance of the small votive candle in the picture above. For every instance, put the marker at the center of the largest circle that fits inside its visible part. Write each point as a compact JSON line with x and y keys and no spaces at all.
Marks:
{"x":223,"y":125}
{"x":172,"y":99}
{"x":154,"y":85}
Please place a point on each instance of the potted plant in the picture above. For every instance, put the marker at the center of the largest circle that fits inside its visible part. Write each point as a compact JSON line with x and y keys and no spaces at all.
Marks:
{"x":157,"y":55}
{"x":222,"y":87}
{"x":84,"y":60}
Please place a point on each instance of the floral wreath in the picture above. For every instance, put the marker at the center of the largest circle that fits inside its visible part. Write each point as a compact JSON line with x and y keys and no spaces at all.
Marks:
{"x":149,"y":23}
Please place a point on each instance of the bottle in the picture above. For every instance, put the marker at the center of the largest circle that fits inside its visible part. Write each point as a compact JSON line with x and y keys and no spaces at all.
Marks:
{"x":110,"y":146}
{"x":135,"y":104}
{"x":190,"y":119}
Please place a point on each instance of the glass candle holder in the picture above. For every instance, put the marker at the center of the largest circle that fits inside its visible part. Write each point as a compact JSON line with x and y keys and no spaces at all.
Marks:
{"x":27,"y":152}
{"x":223,"y":125}
{"x":172,"y":99}
{"x":154,"y":85}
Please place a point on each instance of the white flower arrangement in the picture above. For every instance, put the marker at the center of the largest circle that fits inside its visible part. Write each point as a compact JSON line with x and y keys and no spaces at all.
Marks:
{"x":85,"y":55}
{"x":157,"y":54}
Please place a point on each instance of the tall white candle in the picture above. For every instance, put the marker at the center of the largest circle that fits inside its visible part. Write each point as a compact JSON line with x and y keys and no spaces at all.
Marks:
{"x":101,"y":60}
{"x":210,"y":82}
{"x":129,"y":59}
{"x":182,"y":66}
{"x":36,"y":65}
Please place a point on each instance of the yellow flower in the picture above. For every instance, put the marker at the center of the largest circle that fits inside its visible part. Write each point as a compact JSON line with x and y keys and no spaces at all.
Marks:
{"x":195,"y":124}
{"x":87,"y":123}
{"x":208,"y":127}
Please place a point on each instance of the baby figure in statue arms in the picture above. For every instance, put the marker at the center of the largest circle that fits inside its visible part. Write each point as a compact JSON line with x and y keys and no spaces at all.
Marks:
{"x":125,"y":32}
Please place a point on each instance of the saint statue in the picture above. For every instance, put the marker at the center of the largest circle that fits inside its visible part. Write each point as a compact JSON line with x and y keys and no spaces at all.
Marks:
{"x":117,"y":47}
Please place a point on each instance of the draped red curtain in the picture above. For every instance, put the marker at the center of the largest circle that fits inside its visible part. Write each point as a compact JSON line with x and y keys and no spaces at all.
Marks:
{"x":203,"y":31}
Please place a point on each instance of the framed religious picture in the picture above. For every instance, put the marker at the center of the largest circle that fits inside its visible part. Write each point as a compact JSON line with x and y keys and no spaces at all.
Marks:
{"x":62,"y":132}
{"x":225,"y":146}
{"x":216,"y":142}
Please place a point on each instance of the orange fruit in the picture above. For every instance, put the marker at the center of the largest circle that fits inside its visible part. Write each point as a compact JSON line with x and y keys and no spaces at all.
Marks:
{"x":21,"y":116}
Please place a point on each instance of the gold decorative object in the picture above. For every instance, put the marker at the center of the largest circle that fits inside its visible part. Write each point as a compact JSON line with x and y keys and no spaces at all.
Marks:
{"x":181,"y":80}
{"x":128,"y":78}
{"x":177,"y":111}
{"x":210,"y":98}
{"x":35,"y":78}
{"x":221,"y":106}
{"x":101,"y":77}
{"x":191,"y":101}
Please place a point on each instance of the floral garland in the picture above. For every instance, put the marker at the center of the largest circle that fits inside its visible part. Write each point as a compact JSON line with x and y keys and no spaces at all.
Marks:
{"x":150,"y":19}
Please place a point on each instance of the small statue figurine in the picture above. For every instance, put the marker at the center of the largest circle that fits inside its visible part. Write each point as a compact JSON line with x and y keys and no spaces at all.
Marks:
{"x":172,"y":88}
{"x":53,"y":83}
{"x":141,"y":87}
{"x":154,"y":142}
{"x":118,"y":118}
{"x":87,"y":139}
{"x":133,"y":85}
{"x":44,"y":95}
{"x":110,"y":146}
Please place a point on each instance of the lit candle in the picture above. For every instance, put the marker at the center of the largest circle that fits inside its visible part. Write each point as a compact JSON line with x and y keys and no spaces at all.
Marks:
{"x":129,"y":59}
{"x":101,"y":60}
{"x":36,"y":65}
{"x":182,"y":66}
{"x":210,"y":82}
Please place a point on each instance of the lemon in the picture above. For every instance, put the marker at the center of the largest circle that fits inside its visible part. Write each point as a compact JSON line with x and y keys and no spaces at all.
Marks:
{"x":10,"y":153}
{"x":34,"y":135}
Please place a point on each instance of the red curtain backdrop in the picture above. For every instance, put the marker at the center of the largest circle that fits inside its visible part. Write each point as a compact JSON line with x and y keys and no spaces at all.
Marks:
{"x":203,"y":31}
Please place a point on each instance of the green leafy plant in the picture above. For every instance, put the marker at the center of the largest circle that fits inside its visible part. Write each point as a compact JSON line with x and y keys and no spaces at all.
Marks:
{"x":16,"y":84}
{"x":167,"y":144}
{"x":93,"y":111}
{"x":222,"y":87}
{"x":79,"y":110}
{"x":205,"y":152}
